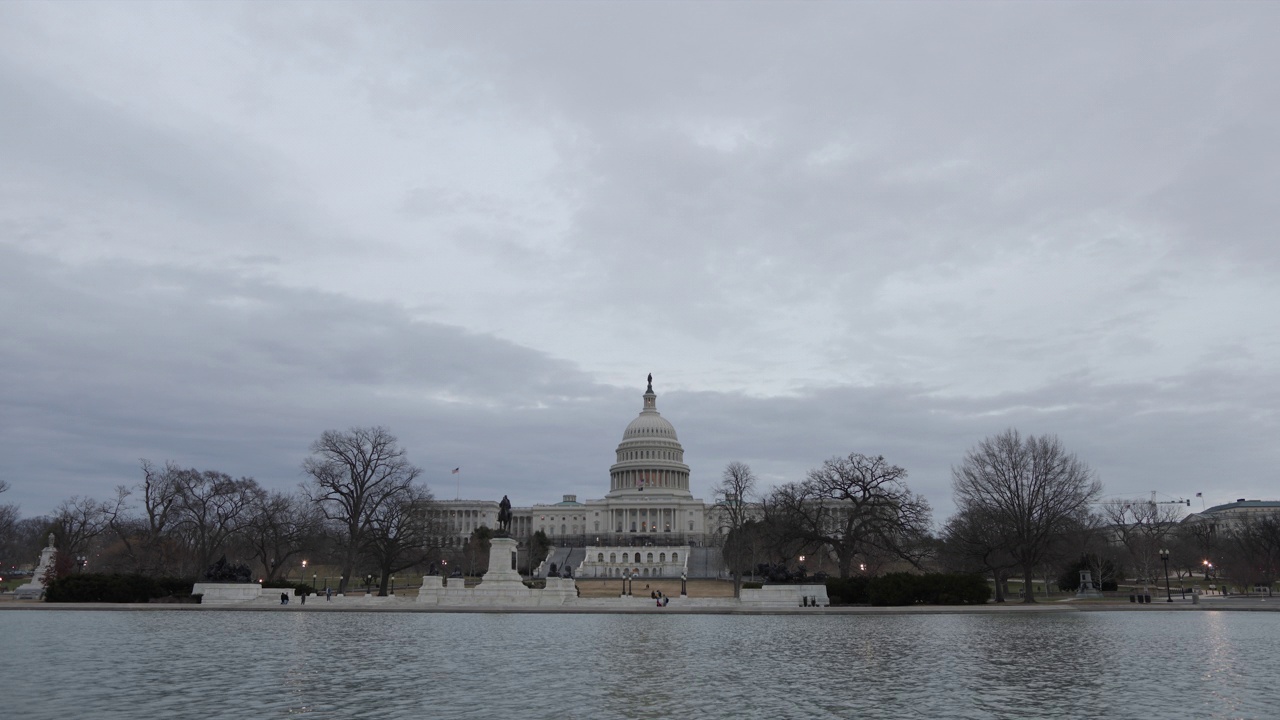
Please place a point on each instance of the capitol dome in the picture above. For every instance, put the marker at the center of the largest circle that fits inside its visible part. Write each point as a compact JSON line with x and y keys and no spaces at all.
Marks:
{"x":649,"y":424}
{"x":650,"y":458}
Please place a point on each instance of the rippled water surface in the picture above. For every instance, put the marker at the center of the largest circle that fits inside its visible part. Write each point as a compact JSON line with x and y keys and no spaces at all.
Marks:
{"x":148,"y":664}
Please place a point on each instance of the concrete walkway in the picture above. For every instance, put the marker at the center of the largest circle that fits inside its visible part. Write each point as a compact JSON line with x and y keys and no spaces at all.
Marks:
{"x":678,"y":606}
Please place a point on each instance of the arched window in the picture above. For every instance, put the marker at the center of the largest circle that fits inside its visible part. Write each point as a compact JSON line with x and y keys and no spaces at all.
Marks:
{"x":600,"y":557}
{"x":624,"y":557}
{"x":649,"y":558}
{"x":662,"y":557}
{"x":675,"y":557}
{"x":613,"y":557}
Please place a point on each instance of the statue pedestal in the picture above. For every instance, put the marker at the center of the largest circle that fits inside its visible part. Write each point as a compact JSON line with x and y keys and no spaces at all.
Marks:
{"x":226,"y":593}
{"x":1086,"y":586}
{"x":786,"y":596}
{"x":502,"y":564}
{"x":33,"y":590}
{"x":500,"y":587}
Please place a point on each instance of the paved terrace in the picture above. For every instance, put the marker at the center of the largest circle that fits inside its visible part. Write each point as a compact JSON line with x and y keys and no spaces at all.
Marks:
{"x":706,"y":597}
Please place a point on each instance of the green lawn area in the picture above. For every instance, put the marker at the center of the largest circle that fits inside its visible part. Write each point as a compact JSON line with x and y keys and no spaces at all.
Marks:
{"x":11,"y":583}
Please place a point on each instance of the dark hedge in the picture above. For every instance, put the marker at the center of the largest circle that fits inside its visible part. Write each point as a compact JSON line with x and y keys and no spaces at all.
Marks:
{"x":848,"y":591}
{"x":94,"y":587}
{"x":929,"y":589}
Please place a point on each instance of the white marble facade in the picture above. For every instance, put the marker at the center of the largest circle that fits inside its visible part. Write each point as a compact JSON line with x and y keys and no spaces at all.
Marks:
{"x":648,"y":501}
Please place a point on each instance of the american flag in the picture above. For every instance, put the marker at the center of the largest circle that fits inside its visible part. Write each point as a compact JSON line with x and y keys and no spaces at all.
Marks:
{"x":455,"y":471}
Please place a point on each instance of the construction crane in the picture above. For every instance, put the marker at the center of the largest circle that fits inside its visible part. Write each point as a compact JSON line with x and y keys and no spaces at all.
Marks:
{"x":1176,"y":501}
{"x":1153,"y":501}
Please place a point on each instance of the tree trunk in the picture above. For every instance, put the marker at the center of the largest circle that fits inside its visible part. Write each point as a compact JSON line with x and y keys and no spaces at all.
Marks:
{"x":737,"y":584}
{"x":348,"y":565}
{"x":1027,"y":595}
{"x":995,"y":574}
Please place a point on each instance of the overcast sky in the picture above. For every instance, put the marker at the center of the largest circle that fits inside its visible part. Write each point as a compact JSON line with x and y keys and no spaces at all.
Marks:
{"x":824,"y":227}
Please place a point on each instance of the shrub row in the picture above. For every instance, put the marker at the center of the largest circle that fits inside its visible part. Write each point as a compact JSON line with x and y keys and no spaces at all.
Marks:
{"x":849,"y":591}
{"x":300,"y":588}
{"x":909,"y":589}
{"x":929,"y":589}
{"x":94,"y":587}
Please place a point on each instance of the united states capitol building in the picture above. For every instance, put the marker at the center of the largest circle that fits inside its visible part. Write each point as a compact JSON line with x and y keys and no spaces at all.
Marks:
{"x":648,"y":523}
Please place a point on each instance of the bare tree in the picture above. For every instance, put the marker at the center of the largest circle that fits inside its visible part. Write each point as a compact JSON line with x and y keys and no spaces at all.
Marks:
{"x":211,"y":508}
{"x":974,"y":542}
{"x":10,"y":546}
{"x":1143,"y":528}
{"x":8,"y":520}
{"x":733,"y":496}
{"x":352,"y":474}
{"x":27,"y":537}
{"x":279,"y":527}
{"x":145,"y":537}
{"x":1097,"y":550}
{"x":855,"y":505}
{"x":1032,"y":490}
{"x":79,"y":520}
{"x":403,"y":532}
{"x":1254,"y":541}
{"x":1201,"y":535}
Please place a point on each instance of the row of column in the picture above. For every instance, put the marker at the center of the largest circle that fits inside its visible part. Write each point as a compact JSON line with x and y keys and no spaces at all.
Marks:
{"x":649,"y":478}
{"x":643,"y":520}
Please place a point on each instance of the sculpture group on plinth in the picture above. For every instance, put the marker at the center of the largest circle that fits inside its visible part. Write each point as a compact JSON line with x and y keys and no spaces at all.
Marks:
{"x":34,"y":590}
{"x":225,"y":572}
{"x":225,"y":583}
{"x":1087,"y":588}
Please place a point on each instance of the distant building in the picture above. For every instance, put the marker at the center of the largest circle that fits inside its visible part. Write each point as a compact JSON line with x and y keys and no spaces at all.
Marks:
{"x":648,"y":503}
{"x":1235,"y":511}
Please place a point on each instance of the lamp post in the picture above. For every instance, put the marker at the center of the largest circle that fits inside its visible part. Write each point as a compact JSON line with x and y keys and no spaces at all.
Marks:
{"x":626,"y":575}
{"x":1164,"y":556}
{"x":393,"y":584}
{"x":314,"y":584}
{"x":684,"y":591}
{"x":80,"y":561}
{"x":368,"y":583}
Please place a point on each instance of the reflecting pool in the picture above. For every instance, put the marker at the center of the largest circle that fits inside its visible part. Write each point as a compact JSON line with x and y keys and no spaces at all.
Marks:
{"x":207,"y":664}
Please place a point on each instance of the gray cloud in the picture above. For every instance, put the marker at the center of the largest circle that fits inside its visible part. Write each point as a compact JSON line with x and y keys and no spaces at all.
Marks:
{"x":826,"y":228}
